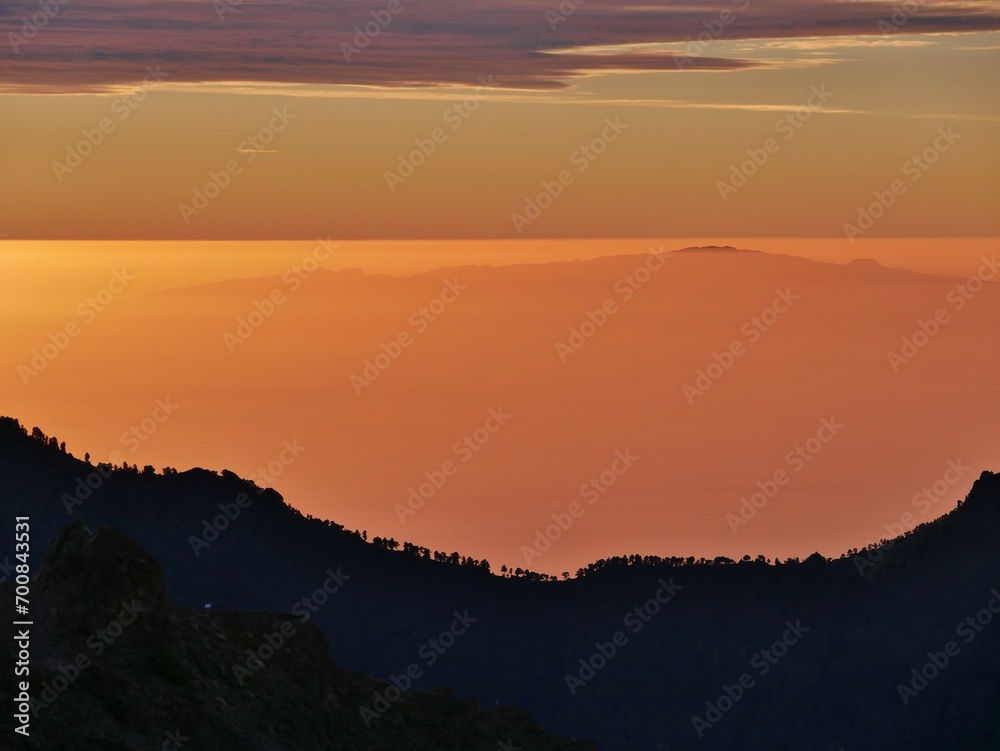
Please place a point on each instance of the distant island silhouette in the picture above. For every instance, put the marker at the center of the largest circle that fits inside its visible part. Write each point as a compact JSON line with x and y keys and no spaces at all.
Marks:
{"x":815,"y":340}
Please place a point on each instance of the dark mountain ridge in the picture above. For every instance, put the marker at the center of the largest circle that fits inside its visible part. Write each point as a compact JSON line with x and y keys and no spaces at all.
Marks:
{"x":636,"y":653}
{"x":117,"y":666}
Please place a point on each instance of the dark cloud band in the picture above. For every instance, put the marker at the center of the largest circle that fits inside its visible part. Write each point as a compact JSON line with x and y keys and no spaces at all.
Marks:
{"x":93,"y":44}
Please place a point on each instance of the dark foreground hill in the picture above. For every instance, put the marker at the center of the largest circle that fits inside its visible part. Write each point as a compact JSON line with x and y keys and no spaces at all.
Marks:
{"x":117,"y":667}
{"x":897,"y":648}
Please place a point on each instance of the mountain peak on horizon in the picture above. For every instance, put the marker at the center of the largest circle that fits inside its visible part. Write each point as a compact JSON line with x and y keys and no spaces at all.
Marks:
{"x":715,"y":249}
{"x":866,"y":263}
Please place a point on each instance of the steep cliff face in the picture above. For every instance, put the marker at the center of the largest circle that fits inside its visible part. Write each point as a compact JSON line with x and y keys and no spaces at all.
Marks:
{"x":116,"y":666}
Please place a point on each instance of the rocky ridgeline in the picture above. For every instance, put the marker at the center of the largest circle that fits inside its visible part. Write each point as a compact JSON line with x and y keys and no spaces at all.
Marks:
{"x":116,"y":667}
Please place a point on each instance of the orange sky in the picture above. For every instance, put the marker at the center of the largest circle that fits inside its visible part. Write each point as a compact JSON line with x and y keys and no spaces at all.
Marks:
{"x":325,"y":170}
{"x":494,"y":348}
{"x":168,"y":171}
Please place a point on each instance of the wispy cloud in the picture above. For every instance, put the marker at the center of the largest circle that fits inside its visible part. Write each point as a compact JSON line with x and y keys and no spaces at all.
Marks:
{"x":95,"y":44}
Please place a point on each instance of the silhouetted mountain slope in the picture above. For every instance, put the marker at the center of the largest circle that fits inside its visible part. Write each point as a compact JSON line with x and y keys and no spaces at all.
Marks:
{"x":533,"y":340}
{"x":853,"y":629}
{"x":155,"y":674}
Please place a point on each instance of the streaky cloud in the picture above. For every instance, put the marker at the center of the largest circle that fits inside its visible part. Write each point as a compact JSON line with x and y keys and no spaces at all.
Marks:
{"x":96,"y":45}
